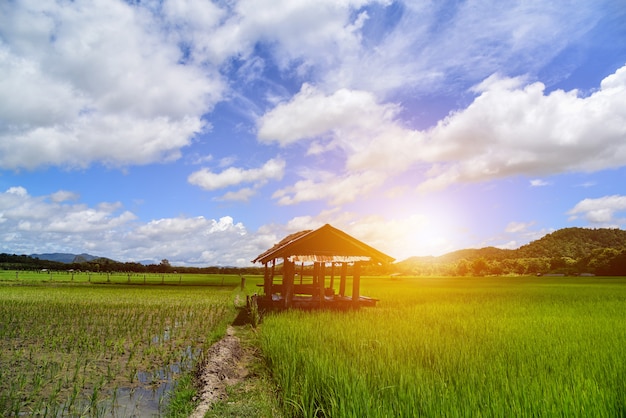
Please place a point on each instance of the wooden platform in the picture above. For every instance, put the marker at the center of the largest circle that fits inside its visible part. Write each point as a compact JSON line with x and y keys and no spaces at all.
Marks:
{"x":276,"y":302}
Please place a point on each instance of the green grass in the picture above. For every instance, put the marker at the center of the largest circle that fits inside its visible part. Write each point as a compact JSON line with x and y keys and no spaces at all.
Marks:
{"x":70,"y":349}
{"x":68,"y":277}
{"x":432,"y":347}
{"x":457,"y":347}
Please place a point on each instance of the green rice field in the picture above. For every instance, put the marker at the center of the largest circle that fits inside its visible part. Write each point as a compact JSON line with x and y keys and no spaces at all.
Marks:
{"x":99,"y":347}
{"x":432,"y":347}
{"x":458,"y":347}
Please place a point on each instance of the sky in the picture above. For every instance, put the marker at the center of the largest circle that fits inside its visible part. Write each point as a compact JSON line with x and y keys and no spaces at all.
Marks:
{"x":203,"y":132}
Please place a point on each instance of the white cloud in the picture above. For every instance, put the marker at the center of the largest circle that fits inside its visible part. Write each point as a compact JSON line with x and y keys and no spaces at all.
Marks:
{"x":38,"y":224}
{"x":463,"y":41}
{"x":517,"y":227}
{"x":367,"y":131}
{"x":242,"y":195}
{"x":509,"y":129}
{"x":539,"y":183}
{"x":206,"y":179}
{"x":314,"y":33}
{"x":95,"y":81}
{"x":512,"y":129}
{"x":600,"y":211}
{"x":311,"y":113}
{"x":63,"y":196}
{"x":328,"y":186}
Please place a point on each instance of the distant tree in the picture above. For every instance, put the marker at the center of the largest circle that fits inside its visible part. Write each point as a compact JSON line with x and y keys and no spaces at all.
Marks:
{"x":462,"y":267}
{"x":164,"y":266}
{"x":495,"y":267}
{"x":479,"y":266}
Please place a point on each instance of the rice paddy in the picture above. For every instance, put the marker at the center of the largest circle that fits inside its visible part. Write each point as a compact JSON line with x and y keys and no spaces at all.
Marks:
{"x":433,"y":347}
{"x":88,"y":349}
{"x":493,"y":347}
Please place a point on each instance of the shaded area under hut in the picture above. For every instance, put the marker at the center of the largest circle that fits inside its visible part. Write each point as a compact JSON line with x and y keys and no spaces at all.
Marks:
{"x":303,"y":269}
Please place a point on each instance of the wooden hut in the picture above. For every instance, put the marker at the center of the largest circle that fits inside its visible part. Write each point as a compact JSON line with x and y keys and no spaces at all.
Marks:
{"x":305,"y":259}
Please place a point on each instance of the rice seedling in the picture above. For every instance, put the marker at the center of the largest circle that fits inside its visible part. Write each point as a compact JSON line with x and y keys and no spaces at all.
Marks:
{"x":457,"y":347}
{"x":67,"y":349}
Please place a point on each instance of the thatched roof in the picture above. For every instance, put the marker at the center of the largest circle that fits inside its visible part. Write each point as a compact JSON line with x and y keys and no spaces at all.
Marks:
{"x":324,"y":244}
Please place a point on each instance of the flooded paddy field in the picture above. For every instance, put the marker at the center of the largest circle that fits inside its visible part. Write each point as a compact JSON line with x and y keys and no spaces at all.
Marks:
{"x":72,"y":349}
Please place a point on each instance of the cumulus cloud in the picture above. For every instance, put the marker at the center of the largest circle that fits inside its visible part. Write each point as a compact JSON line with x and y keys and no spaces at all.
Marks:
{"x":511,"y":128}
{"x":517,"y":129}
{"x":233,"y":176}
{"x":95,"y":82}
{"x":600,"y":211}
{"x":39,"y":224}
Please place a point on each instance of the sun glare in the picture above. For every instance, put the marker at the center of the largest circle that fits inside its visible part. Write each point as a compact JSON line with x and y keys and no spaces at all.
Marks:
{"x":429,"y":233}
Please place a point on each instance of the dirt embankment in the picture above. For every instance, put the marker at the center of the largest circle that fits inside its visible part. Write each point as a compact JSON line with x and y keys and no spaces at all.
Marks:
{"x":224,"y":365}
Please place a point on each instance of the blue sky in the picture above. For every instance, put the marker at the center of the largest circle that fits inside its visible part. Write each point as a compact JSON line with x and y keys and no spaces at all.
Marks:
{"x":204,"y":132}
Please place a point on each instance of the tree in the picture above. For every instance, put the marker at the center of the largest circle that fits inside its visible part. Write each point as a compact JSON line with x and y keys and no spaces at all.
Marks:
{"x":479,"y":266}
{"x":164,"y":266}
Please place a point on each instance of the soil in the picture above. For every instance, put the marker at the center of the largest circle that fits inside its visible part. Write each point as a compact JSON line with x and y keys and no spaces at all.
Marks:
{"x":225,"y":365}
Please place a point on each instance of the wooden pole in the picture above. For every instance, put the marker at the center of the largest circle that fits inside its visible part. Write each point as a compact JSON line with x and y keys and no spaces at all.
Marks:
{"x":289,"y":269}
{"x":271,"y":279}
{"x":316,"y":272}
{"x":322,"y":282}
{"x":301,"y":271}
{"x":266,"y":279}
{"x":342,"y":280}
{"x":356,"y":284}
{"x":332,"y":276}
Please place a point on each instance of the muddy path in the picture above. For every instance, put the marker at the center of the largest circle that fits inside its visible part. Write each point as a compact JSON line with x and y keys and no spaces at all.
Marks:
{"x":224,"y":365}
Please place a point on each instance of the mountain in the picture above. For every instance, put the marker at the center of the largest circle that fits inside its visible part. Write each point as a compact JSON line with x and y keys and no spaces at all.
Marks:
{"x":574,"y":243}
{"x":568,"y":242}
{"x":65,"y":257}
{"x":566,"y":251}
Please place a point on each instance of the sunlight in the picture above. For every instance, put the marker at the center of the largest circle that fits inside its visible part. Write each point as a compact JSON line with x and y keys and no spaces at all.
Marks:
{"x":427,"y":232}
{"x":432,"y":234}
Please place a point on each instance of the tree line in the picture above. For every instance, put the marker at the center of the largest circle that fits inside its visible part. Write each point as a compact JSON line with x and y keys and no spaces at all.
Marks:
{"x":106,"y":265}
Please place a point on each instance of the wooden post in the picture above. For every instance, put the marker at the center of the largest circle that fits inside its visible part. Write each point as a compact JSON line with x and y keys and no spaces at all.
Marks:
{"x":271,"y":279}
{"x":322,"y":283}
{"x":316,"y":272}
{"x":342,"y":280}
{"x":266,"y":278}
{"x":356,"y":284}
{"x":289,"y":270}
{"x":301,"y":271}
{"x":332,"y":276}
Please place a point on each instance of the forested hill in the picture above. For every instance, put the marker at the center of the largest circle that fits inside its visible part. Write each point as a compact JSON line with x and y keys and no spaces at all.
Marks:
{"x":574,"y":243}
{"x":568,"y":251}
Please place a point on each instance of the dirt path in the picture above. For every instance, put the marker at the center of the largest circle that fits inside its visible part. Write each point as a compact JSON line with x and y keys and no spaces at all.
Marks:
{"x":225,"y":365}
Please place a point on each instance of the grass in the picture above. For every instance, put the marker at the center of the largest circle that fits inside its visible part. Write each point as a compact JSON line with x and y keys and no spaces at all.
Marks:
{"x":457,"y":347}
{"x":432,"y":347}
{"x":77,"y":277}
{"x":84,"y":349}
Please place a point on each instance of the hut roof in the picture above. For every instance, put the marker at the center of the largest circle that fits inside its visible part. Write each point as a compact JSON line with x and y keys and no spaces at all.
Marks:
{"x":323,"y":244}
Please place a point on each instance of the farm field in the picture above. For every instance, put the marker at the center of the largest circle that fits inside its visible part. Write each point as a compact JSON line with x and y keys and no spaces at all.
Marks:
{"x":447,"y":347}
{"x":495,"y":346}
{"x":69,"y":347}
